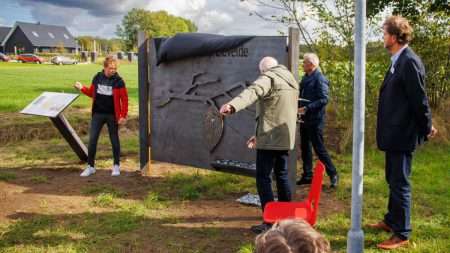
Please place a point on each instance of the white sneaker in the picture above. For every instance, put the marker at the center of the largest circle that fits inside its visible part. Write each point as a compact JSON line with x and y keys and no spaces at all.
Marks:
{"x":115,"y":170}
{"x":88,"y":171}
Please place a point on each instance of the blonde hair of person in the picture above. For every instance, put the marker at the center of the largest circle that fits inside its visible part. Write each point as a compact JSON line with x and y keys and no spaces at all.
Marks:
{"x":291,"y":236}
{"x":109,"y":60}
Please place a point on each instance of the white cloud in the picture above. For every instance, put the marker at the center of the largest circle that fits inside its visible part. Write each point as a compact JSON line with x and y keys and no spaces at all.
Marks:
{"x":95,"y":18}
{"x":214,"y":21}
{"x":95,"y":26}
{"x":177,"y":7}
{"x":247,"y":6}
{"x":52,"y":14}
{"x":206,"y":18}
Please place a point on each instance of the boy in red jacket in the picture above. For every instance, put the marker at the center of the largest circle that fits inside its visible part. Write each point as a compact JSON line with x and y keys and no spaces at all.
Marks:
{"x":110,"y":107}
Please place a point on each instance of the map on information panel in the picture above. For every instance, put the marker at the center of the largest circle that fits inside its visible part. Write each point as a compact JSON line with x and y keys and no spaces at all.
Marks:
{"x":50,"y":104}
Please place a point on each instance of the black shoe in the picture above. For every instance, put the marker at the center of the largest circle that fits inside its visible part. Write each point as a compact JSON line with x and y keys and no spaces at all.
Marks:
{"x":258,"y":229}
{"x":334,"y":181}
{"x":304,"y":180}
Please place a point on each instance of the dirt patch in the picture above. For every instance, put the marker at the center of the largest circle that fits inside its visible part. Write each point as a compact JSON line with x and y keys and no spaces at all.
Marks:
{"x":58,"y":193}
{"x":17,"y":127}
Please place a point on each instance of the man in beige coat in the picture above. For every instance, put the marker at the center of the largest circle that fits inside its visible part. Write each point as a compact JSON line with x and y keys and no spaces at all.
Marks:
{"x":275,"y":92}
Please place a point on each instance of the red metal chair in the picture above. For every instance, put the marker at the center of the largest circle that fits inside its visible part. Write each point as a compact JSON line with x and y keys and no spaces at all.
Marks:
{"x":307,"y":210}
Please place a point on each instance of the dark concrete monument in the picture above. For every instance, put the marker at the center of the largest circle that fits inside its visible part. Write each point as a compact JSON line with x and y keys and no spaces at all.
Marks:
{"x":179,"y":104}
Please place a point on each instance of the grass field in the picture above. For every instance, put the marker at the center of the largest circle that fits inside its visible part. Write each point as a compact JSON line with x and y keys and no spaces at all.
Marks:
{"x":46,"y":207}
{"x":21,"y":83}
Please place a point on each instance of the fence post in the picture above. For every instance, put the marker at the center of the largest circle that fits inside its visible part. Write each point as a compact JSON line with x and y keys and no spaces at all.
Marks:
{"x":144,"y":102}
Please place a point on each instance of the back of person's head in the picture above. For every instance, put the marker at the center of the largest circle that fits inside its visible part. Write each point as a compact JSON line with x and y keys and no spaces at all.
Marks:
{"x":292,"y":236}
{"x":267,"y":63}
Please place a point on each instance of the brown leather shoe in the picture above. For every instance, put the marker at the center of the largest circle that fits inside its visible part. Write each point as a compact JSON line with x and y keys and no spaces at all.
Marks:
{"x":380,"y":226}
{"x":393,"y":243}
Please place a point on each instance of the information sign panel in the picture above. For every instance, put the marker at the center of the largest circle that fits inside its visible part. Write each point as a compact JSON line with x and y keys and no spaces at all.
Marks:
{"x":50,"y":104}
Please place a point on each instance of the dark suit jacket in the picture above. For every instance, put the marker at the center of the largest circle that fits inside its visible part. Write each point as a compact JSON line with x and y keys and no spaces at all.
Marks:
{"x":314,"y":88}
{"x":404,"y":116}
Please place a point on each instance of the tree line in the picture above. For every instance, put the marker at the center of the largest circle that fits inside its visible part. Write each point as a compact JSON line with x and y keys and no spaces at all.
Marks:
{"x":155,"y":24}
{"x":333,"y":40}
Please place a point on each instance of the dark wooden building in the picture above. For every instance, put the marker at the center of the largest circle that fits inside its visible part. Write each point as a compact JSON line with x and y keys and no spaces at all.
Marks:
{"x":3,"y":33}
{"x":38,"y":38}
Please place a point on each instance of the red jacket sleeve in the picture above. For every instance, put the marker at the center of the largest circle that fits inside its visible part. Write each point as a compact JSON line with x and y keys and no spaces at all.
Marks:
{"x":88,"y":91}
{"x":123,"y":96}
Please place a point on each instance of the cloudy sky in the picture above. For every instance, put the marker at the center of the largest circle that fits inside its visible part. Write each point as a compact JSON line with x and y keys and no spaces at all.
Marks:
{"x":100,"y":17}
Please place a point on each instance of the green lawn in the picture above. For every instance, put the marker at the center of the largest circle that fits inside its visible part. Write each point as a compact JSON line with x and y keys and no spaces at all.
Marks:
{"x":430,"y":205}
{"x":21,"y":83}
